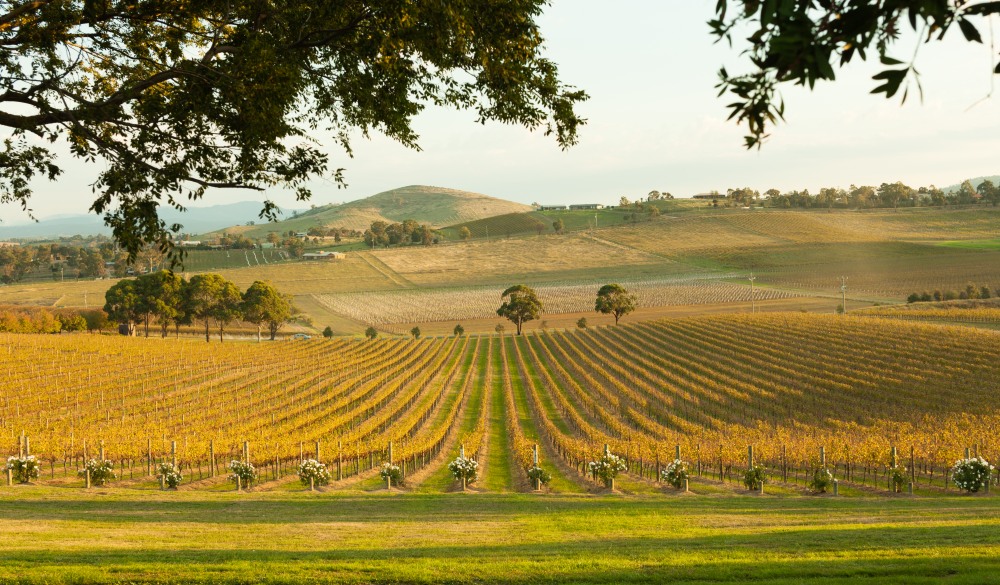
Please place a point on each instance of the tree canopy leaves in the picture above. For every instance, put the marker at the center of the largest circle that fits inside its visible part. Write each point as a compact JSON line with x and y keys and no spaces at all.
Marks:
{"x":803,"y":41}
{"x":614,"y":299}
{"x":176,"y":97}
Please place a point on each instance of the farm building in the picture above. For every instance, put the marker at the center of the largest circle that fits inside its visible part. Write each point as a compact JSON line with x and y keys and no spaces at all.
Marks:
{"x":587,"y":206}
{"x":189,"y":243}
{"x":551,"y":208}
{"x":321,"y":255}
{"x":8,"y":244}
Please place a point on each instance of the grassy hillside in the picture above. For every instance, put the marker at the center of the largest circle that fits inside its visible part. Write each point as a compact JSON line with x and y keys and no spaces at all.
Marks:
{"x":435,"y":206}
{"x":885,"y":255}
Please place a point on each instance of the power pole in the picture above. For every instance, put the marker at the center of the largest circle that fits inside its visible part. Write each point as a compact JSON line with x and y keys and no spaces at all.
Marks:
{"x":753,"y":301}
{"x":843,"y":293}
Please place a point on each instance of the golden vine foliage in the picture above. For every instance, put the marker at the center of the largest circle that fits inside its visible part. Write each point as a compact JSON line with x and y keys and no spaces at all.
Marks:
{"x":785,"y":383}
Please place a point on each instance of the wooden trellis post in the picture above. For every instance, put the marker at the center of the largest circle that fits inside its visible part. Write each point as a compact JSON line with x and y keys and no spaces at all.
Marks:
{"x":537,"y":481}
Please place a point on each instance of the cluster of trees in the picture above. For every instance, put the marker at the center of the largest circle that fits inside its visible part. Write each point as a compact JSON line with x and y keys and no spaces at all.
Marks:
{"x":640,"y":209}
{"x":169,"y":300}
{"x":337,"y":233}
{"x":384,"y":234}
{"x":101,"y":258}
{"x":520,"y":304}
{"x":886,"y":195}
{"x":43,"y":320}
{"x":86,"y":261}
{"x":971,"y":291}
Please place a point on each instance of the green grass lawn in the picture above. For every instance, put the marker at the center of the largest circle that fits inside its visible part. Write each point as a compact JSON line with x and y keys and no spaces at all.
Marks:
{"x":58,"y":535}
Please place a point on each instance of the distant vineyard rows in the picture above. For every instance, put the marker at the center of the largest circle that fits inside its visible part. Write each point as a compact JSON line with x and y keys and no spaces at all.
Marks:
{"x":392,"y":307}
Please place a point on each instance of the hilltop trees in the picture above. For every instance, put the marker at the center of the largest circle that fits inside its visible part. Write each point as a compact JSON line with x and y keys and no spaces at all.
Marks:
{"x":614,"y":299}
{"x":519,"y":305}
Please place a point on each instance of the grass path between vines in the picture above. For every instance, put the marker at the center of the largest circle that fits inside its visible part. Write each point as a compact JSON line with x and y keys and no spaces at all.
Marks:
{"x":117,"y":536}
{"x":440,"y":479}
{"x":561,"y":481}
{"x":499,"y":476}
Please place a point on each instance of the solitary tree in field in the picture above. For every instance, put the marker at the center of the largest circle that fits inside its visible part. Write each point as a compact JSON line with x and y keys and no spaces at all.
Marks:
{"x":263,"y":304}
{"x":581,"y":322}
{"x":557,"y":226}
{"x":371,"y":333}
{"x":519,"y":305}
{"x":614,"y":299}
{"x":459,"y":330}
{"x":465,"y":233}
{"x":415,"y":332}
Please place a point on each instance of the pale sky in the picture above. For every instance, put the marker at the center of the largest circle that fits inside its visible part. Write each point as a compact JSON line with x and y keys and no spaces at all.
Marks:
{"x":655,"y":123}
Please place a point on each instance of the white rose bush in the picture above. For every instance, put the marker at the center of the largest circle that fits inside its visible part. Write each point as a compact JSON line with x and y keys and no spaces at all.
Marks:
{"x":243,"y":472}
{"x":464,"y":468}
{"x":312,"y":472}
{"x":390,"y":471}
{"x":675,"y":473}
{"x":972,"y":474}
{"x":607,"y":468}
{"x":101,"y":472}
{"x":537,"y":474}
{"x":822,"y":480}
{"x":23,"y":469}
{"x":169,"y":475}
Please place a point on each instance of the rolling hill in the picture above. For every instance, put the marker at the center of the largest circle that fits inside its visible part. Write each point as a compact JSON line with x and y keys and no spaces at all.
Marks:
{"x":435,"y":206}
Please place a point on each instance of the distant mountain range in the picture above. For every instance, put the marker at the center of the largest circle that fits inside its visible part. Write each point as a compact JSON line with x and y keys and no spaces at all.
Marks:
{"x":195,"y":220}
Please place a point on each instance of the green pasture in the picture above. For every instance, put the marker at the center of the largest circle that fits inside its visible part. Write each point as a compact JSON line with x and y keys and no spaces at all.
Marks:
{"x":56,"y":536}
{"x":990,"y":244}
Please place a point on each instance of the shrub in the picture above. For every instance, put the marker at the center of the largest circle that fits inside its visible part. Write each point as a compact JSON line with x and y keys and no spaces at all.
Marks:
{"x":972,"y":474}
{"x":536,"y":473}
{"x":391,"y":472}
{"x":23,"y":469}
{"x":244,"y":471}
{"x":464,"y":467}
{"x":459,"y":330}
{"x":170,"y":475}
{"x":101,"y":472}
{"x":310,"y":469}
{"x":328,"y":332}
{"x":755,"y":477}
{"x":822,"y":480}
{"x":897,"y":477}
{"x":607,"y":467}
{"x":582,"y":323}
{"x":675,"y":473}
